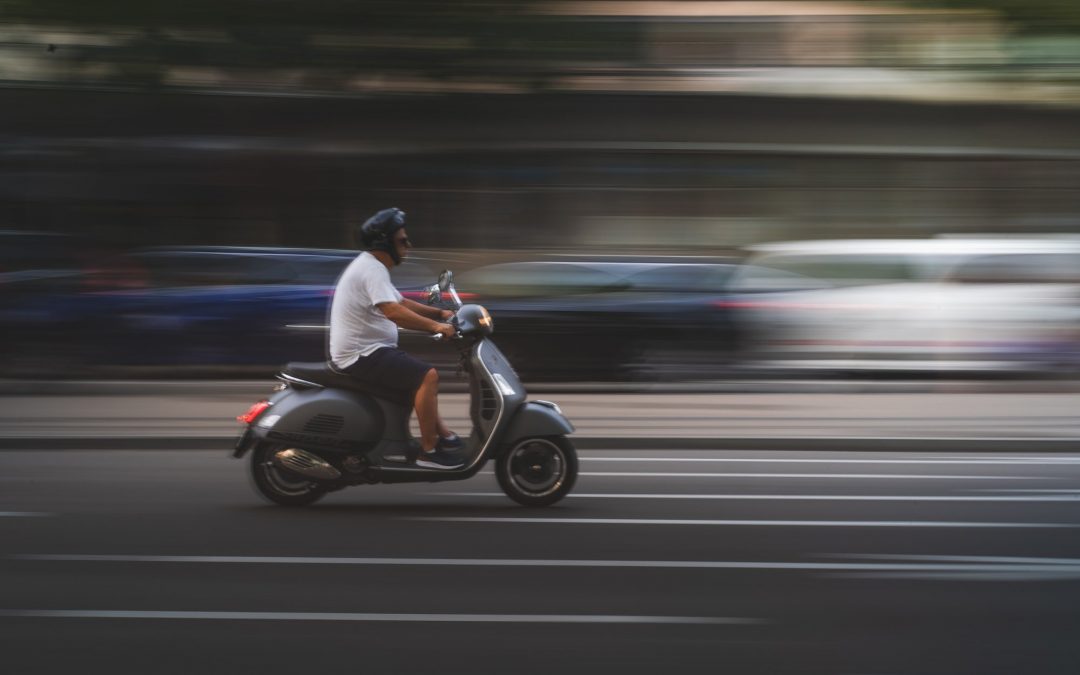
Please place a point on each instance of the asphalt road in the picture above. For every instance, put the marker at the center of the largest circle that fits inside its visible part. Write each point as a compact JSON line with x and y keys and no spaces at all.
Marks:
{"x":676,"y":561}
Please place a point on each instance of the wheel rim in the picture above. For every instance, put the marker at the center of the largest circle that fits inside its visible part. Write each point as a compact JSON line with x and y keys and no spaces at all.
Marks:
{"x":285,"y":482}
{"x":537,"y":467}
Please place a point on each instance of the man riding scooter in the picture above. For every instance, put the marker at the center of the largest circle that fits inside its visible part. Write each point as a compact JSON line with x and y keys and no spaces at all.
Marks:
{"x":364,"y":318}
{"x":324,"y":429}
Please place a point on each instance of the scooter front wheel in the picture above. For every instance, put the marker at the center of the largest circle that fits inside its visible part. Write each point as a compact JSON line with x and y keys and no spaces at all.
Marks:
{"x":278,"y":485}
{"x":538,"y":471}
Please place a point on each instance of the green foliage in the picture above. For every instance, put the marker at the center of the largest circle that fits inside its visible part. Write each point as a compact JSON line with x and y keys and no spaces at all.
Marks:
{"x":340,"y":14}
{"x":436,"y":37}
{"x":1029,"y":16}
{"x":445,"y":17}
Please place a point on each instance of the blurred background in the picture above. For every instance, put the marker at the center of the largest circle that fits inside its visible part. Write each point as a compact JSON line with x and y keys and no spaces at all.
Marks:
{"x":639,"y":191}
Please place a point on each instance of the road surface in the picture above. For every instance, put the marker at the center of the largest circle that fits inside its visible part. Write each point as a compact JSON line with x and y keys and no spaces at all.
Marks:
{"x":660,"y":561}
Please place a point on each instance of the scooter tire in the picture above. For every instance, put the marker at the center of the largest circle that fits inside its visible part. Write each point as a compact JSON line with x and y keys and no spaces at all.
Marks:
{"x":537,"y":471}
{"x":278,"y":485}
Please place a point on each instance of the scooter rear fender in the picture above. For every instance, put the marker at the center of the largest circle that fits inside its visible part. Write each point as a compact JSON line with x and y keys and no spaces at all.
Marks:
{"x":534,"y":418}
{"x":253,"y":433}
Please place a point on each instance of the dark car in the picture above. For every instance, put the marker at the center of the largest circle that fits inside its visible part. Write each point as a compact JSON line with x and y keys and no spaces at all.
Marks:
{"x":39,"y":273}
{"x":229,"y":309}
{"x":604,"y":320}
{"x":28,"y":255}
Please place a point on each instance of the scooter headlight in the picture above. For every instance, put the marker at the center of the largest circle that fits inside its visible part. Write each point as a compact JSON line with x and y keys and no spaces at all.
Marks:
{"x":475,"y":319}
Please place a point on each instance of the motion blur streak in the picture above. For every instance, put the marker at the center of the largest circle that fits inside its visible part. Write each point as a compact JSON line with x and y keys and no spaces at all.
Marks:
{"x":193,"y":216}
{"x":833,"y":245}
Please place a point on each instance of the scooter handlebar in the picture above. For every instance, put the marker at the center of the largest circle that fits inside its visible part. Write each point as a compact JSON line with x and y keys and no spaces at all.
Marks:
{"x":438,"y":337}
{"x":433,"y":336}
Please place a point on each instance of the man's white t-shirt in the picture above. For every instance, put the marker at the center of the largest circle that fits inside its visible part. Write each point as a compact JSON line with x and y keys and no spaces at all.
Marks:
{"x":357,"y":327}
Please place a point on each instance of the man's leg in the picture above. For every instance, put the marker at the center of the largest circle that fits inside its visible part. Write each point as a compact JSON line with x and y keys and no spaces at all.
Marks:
{"x":427,"y":411}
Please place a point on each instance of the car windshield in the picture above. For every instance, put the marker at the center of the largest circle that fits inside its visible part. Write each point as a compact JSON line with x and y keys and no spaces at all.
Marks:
{"x":541,"y":280}
{"x":681,"y":278}
{"x":798,"y":271}
{"x":22,"y":252}
{"x":169,"y":269}
{"x":411,"y":274}
{"x":212,"y":269}
{"x":1020,"y":269}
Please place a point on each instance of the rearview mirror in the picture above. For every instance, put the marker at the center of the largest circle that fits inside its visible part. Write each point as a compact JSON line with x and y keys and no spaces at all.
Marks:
{"x":446,"y":279}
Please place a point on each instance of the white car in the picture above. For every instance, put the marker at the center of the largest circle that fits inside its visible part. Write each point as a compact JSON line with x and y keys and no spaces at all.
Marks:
{"x":946,"y":304}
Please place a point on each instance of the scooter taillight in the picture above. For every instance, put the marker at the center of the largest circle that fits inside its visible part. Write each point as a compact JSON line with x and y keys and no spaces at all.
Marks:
{"x":253,"y":412}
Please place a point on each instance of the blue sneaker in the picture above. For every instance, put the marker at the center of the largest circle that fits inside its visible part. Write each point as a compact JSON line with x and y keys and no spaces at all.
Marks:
{"x":438,"y":459}
{"x":451,"y":443}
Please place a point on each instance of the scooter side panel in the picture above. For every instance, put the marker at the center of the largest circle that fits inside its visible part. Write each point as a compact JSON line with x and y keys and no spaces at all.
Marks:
{"x":498,"y":392}
{"x":331,"y":419}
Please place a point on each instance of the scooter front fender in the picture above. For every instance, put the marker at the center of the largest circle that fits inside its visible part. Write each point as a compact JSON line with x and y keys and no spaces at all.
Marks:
{"x":537,"y":419}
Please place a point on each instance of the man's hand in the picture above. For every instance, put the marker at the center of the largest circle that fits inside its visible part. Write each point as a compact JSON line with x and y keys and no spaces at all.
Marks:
{"x":445,"y":314}
{"x":446,"y":330}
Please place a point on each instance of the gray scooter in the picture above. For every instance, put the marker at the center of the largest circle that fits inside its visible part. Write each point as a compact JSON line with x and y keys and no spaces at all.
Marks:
{"x":321,"y":431}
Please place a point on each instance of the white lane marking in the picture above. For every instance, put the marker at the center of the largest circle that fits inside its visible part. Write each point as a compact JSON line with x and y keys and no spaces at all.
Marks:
{"x":925,"y":563}
{"x":821,"y":498}
{"x":1041,"y":575}
{"x":23,"y":514}
{"x":996,"y":559}
{"x":1018,"y":460}
{"x":373,"y":617}
{"x":1030,"y":491}
{"x":743,"y":523}
{"x":973,"y":568}
{"x":1062,"y":458}
{"x":625,"y":474}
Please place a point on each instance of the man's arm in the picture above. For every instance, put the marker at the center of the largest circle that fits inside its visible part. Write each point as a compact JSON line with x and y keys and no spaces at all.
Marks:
{"x":404,"y":317}
{"x":426,"y":310}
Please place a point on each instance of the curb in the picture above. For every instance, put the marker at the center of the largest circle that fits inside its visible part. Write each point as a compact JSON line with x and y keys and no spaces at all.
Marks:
{"x":819,"y":444}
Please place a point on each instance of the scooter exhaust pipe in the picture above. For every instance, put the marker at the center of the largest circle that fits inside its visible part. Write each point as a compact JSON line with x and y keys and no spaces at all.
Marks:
{"x":305,"y":463}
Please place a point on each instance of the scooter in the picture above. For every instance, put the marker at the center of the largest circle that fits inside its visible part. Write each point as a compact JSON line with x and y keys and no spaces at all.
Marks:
{"x":321,"y":431}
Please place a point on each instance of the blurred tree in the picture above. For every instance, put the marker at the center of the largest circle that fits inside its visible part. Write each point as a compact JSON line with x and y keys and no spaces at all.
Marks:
{"x":1029,"y":16}
{"x":434,"y":38}
{"x":225,"y":13}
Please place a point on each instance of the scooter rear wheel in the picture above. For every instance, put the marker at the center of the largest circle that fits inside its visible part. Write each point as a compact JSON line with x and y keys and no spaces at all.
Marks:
{"x":278,"y":485}
{"x":537,"y":471}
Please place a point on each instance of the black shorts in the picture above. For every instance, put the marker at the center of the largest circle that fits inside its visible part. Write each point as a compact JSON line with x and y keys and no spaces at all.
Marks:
{"x":391,"y":370}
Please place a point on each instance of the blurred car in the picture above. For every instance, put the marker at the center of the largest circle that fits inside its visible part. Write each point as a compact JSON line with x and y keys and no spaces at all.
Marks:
{"x":946,"y":304}
{"x":38,"y":270}
{"x":603,"y":320}
{"x":226,"y":308}
{"x":190,"y":266}
{"x":37,"y":256}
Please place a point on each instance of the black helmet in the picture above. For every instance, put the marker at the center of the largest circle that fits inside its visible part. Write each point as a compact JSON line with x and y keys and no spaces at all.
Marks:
{"x":377,"y":232}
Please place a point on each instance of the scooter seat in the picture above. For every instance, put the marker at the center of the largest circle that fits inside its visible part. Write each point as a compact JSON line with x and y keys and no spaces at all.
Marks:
{"x":323,"y":374}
